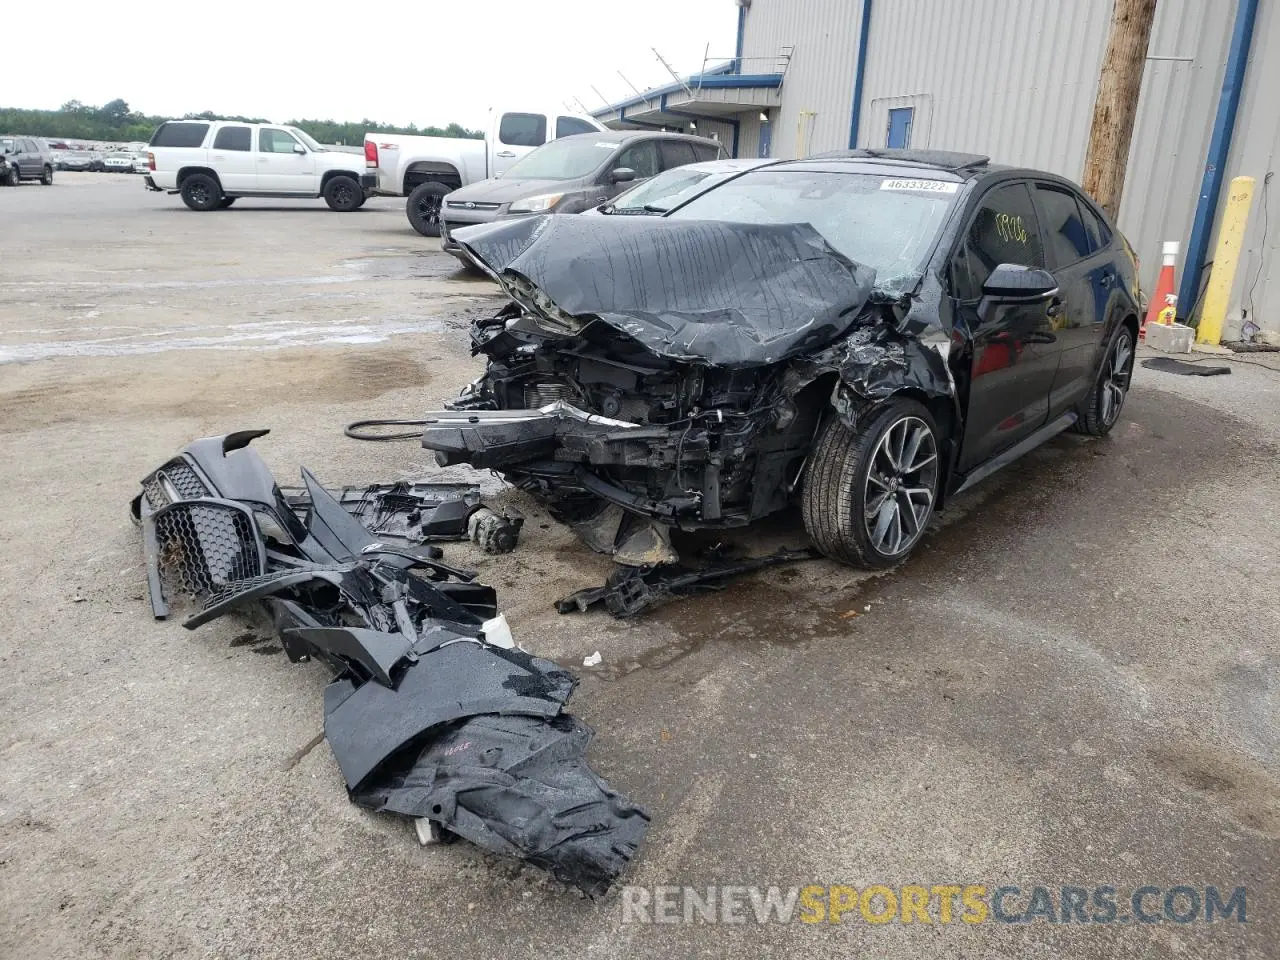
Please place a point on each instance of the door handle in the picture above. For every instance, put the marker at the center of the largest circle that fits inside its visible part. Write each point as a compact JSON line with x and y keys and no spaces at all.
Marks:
{"x":506,"y":154}
{"x":1054,"y":308}
{"x":1107,"y":279}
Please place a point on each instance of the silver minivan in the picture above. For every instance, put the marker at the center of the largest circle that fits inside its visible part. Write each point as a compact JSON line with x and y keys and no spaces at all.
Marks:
{"x":571,"y":175}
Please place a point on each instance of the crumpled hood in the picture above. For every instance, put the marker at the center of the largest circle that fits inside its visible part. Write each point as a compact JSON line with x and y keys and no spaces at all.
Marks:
{"x":727,"y":294}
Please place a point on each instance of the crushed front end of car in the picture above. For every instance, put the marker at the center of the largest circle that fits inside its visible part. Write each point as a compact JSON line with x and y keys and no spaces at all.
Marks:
{"x":650,"y":374}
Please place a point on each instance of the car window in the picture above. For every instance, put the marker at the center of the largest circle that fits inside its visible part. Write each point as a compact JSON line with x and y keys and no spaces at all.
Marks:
{"x":233,"y":138}
{"x":271,"y":140}
{"x":1003,"y":230}
{"x":568,"y":126}
{"x":1094,"y":227}
{"x":641,"y":157}
{"x":179,"y":135}
{"x":565,"y":159}
{"x":661,"y":192}
{"x":707,"y":152}
{"x":675,"y":153}
{"x":1064,"y":231}
{"x":888,"y":223}
{"x":523,"y":129}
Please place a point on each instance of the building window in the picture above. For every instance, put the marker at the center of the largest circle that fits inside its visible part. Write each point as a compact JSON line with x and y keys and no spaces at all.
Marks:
{"x":899,"y":133}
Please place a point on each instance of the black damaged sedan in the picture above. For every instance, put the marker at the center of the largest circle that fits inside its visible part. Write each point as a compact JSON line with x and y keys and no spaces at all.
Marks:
{"x":868,"y":332}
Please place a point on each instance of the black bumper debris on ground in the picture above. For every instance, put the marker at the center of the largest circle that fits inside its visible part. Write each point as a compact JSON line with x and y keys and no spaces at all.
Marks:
{"x":433,"y":713}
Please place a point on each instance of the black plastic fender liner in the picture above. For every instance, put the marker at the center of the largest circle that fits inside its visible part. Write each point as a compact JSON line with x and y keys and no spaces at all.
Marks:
{"x":366,"y":724}
{"x":241,"y":592}
{"x":517,"y":786}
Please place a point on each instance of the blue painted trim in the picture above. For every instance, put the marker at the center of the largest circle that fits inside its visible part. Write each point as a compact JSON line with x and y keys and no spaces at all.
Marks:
{"x":712,"y":79}
{"x":860,"y":74}
{"x":737,"y":51}
{"x":1219,"y":152}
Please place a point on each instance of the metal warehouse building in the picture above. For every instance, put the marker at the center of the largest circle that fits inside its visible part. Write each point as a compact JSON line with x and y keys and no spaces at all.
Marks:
{"x":1014,"y":79}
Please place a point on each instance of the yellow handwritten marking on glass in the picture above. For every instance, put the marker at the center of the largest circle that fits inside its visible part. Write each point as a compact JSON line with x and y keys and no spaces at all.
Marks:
{"x":1010,"y":228}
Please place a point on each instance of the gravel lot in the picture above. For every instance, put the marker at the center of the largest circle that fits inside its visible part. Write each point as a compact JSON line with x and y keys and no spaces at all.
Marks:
{"x":1074,"y":682}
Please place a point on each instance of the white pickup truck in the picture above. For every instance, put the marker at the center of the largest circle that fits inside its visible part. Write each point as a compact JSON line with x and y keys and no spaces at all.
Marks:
{"x":424,"y":169}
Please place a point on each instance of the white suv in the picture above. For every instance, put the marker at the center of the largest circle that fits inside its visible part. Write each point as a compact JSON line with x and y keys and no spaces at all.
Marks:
{"x":212,"y":163}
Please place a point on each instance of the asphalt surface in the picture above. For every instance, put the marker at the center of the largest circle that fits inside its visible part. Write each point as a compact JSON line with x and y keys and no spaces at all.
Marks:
{"x":1073,"y":682}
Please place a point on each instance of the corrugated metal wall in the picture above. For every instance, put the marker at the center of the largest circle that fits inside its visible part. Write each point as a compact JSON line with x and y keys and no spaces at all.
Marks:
{"x":1016,"y":79}
{"x":817,"y":95}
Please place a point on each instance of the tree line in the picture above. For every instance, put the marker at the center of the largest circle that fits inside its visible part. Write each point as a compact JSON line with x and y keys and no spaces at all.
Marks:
{"x":115,"y":122}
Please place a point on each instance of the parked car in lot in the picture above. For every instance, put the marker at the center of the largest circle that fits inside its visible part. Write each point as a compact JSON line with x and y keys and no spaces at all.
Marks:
{"x":570,"y":175}
{"x":211,"y":164}
{"x":670,"y":188}
{"x":141,"y":164}
{"x":874,"y":330}
{"x":424,"y":169}
{"x":75,"y":159}
{"x":25,"y":158}
{"x":118,"y":162}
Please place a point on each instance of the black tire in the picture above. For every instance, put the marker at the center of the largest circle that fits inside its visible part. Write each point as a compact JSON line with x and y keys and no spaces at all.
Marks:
{"x":1100,"y":410}
{"x":423,"y":207}
{"x":201,"y":192}
{"x":226,"y":202}
{"x":47,"y":176}
{"x":343,"y":194}
{"x":12,"y":178}
{"x":845,"y":464}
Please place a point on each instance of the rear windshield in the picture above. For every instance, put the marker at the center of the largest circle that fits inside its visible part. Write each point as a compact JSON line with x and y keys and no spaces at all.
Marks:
{"x":179,"y":135}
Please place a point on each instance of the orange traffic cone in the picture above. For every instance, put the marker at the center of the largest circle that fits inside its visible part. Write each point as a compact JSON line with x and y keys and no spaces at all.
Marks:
{"x":1164,"y":286}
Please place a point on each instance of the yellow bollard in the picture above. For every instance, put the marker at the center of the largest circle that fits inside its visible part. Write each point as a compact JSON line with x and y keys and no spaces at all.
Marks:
{"x":1235,"y":217}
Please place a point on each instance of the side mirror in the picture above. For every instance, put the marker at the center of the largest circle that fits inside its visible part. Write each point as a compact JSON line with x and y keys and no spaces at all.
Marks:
{"x":621,"y":175}
{"x":1009,"y":281}
{"x":299,"y":148}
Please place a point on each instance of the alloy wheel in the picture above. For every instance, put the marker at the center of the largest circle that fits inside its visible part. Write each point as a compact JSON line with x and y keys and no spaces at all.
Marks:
{"x":429,"y":208}
{"x":901,"y":480}
{"x":1115,"y":379}
{"x":200,"y":194}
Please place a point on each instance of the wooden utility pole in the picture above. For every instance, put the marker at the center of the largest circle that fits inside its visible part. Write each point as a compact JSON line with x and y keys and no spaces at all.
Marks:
{"x":1117,"y":104}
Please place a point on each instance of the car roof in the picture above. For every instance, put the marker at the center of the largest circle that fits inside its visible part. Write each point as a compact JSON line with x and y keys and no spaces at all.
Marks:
{"x":727,"y":165}
{"x":626,"y":136}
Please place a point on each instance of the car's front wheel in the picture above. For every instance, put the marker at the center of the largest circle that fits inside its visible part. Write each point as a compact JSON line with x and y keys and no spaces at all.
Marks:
{"x":1101,"y":408}
{"x":12,"y":178}
{"x":869,"y":493}
{"x":423,"y":207}
{"x":201,"y":192}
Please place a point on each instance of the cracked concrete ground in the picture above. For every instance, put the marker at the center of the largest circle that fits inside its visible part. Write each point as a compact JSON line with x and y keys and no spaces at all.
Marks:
{"x":1074,"y":681}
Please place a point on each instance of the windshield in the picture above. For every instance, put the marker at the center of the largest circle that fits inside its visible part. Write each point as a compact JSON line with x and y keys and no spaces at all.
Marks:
{"x":661,"y":192}
{"x":311,"y":144}
{"x":565,"y":159}
{"x":889,"y":223}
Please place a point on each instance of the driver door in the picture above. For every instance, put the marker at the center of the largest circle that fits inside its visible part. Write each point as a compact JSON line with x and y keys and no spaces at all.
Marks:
{"x":1015,"y":350}
{"x":280,"y":167}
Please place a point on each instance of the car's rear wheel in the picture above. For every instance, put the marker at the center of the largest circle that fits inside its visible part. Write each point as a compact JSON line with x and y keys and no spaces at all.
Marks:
{"x":869,"y":493}
{"x":1101,"y":409}
{"x":423,"y":207}
{"x":201,"y":192}
{"x":226,"y":202}
{"x":343,"y":194}
{"x":47,"y":176}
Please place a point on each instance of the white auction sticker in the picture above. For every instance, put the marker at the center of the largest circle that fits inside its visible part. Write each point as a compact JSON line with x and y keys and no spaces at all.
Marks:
{"x":923,"y":186}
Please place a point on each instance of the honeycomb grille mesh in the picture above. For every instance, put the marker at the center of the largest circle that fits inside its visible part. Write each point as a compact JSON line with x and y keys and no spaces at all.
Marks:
{"x":183,"y":478}
{"x":207,"y":545}
{"x":228,"y":590}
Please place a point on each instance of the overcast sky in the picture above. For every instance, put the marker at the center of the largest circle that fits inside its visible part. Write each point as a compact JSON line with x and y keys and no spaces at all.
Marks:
{"x":425,"y":62}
